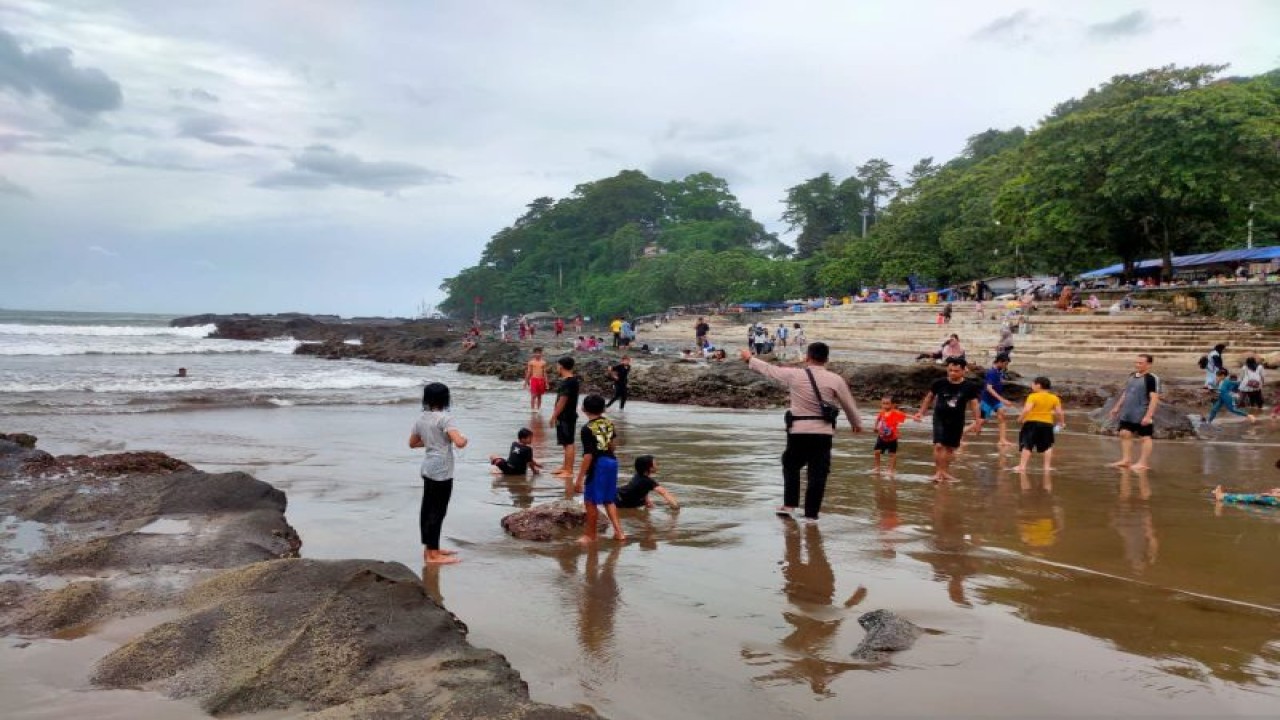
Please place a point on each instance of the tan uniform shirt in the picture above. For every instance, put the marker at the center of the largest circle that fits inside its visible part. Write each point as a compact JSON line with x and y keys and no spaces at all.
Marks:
{"x":833,"y":388}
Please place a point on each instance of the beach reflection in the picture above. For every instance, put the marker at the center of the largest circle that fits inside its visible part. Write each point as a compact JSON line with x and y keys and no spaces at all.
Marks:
{"x":1132,"y":520}
{"x":810,"y":587}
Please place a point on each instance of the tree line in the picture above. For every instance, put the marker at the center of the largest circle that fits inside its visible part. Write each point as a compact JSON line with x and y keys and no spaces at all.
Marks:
{"x":1160,"y":163}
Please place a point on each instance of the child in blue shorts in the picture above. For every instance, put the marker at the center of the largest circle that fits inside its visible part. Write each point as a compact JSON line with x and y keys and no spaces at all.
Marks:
{"x":598,"y":474}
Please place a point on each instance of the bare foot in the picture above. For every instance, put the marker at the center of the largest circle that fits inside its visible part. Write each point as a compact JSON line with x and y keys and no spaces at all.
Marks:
{"x":562,"y":474}
{"x":620,"y":538}
{"x":443,"y":560}
{"x":586,"y":540}
{"x":1140,"y":467}
{"x":443,"y":551}
{"x":1020,"y":469}
{"x":1119,"y":463}
{"x":1218,"y":493}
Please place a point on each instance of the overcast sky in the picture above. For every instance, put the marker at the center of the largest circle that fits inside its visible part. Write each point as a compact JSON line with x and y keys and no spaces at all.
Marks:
{"x":345,"y":157}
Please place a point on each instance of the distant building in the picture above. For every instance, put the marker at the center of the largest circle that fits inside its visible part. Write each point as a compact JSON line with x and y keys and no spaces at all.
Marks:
{"x":652,"y":250}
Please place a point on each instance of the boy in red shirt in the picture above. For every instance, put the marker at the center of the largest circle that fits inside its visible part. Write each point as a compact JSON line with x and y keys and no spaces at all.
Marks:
{"x":887,"y":423}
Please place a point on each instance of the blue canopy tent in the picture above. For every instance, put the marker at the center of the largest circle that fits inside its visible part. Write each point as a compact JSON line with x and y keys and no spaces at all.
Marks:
{"x":1221,"y":257}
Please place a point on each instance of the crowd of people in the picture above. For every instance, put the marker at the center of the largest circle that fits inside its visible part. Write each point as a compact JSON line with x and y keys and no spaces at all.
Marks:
{"x":957,"y":406}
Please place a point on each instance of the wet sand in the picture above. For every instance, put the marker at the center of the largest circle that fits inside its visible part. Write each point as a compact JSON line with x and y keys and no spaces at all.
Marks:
{"x":1109,"y":594}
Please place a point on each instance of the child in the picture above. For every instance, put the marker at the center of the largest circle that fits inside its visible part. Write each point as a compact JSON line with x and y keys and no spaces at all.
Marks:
{"x":636,"y":493}
{"x":1226,"y":400}
{"x":1271,"y":497}
{"x":992,"y":402}
{"x":564,"y":418}
{"x":535,"y":378}
{"x":598,"y":476}
{"x":519,"y":459}
{"x":1042,"y":408}
{"x":434,"y":431}
{"x":887,"y":423}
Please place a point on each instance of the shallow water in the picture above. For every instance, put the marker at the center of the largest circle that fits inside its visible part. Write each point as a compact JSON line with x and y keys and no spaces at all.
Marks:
{"x":1107,"y":594}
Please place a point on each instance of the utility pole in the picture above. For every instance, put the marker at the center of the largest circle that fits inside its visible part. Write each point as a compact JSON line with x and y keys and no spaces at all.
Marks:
{"x":1249,"y":241}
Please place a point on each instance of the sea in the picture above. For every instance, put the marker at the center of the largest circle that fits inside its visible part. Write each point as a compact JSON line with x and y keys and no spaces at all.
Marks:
{"x":1085,"y":592}
{"x":96,"y":363}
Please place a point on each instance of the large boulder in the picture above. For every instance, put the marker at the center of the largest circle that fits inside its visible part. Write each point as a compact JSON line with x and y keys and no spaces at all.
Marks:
{"x":549,"y":521}
{"x":339,"y":638}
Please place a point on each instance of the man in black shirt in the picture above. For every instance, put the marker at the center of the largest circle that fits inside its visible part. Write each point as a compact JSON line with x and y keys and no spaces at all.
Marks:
{"x":636,"y":492}
{"x":620,"y":374}
{"x":565,"y":417}
{"x":519,"y":459}
{"x":949,"y":397}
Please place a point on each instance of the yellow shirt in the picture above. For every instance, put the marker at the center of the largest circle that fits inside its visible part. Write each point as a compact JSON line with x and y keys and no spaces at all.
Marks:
{"x":1042,"y":404}
{"x":615,"y":326}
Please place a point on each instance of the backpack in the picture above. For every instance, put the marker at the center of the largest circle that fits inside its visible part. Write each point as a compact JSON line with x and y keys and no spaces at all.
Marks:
{"x":1203,"y":362}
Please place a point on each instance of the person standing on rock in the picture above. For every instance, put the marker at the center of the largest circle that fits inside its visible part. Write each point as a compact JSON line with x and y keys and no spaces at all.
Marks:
{"x":598,"y":475}
{"x":535,"y":378}
{"x":435,"y":433}
{"x":565,"y":416}
{"x":814,"y":392}
{"x":1135,"y":410}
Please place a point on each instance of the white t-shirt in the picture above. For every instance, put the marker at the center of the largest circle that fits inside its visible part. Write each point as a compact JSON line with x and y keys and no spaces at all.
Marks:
{"x":433,"y":427}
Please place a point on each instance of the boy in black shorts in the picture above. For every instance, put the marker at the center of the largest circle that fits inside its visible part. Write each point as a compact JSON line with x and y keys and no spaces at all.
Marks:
{"x":636,"y":492}
{"x":519,"y":458}
{"x":565,"y":417}
{"x":949,"y":397}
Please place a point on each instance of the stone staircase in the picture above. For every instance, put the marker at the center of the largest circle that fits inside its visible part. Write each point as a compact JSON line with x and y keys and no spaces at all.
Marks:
{"x":895,"y":332}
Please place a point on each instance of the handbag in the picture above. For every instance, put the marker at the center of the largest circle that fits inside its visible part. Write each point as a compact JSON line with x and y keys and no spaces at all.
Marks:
{"x":830,"y":413}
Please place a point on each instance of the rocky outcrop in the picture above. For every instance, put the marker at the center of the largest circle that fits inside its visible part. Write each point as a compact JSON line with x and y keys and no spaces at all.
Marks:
{"x":258,"y":628}
{"x":549,"y":521}
{"x":1171,"y":420}
{"x":341,"y":639}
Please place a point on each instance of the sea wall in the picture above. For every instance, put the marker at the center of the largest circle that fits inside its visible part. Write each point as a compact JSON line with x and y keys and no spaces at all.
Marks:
{"x":1253,"y":302}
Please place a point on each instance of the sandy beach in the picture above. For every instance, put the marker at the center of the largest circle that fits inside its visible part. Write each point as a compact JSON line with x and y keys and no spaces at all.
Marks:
{"x":1109,"y":594}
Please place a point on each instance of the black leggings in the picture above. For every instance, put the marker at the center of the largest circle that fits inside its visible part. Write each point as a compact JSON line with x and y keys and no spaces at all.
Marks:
{"x":804,"y":449}
{"x":435,"y":503}
{"x":619,"y":396}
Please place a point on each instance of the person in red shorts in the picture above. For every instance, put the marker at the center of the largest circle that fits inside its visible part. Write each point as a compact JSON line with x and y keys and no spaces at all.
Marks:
{"x":535,"y":378}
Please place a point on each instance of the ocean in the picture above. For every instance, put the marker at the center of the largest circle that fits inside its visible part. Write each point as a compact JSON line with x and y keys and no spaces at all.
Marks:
{"x":75,"y":363}
{"x":1091,"y":592}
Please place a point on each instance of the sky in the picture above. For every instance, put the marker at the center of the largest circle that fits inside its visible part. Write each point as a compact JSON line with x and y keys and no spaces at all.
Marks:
{"x":339,"y":157}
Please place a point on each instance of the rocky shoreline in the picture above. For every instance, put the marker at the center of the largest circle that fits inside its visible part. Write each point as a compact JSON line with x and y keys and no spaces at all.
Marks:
{"x":246,"y":625}
{"x":655,"y":378}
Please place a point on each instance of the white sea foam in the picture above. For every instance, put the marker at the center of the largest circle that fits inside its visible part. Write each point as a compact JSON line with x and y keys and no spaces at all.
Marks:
{"x":340,"y":378}
{"x":195,"y":331}
{"x":133,"y":343}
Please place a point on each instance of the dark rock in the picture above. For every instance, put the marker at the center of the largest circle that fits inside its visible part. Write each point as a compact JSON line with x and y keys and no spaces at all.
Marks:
{"x":549,"y":521}
{"x":351,"y":638}
{"x":886,"y":632}
{"x":101,"y":466}
{"x":1171,"y":421}
{"x":25,"y":440}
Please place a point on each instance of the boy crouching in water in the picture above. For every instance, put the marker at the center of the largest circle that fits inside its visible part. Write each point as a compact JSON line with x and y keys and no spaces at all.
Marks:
{"x":636,"y":493}
{"x":1038,"y":415}
{"x":598,"y":473}
{"x":519,"y":459}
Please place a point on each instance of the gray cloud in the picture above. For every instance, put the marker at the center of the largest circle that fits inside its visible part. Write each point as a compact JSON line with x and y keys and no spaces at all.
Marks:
{"x":1138,"y":22}
{"x":8,"y":187}
{"x":77,"y":93}
{"x":321,"y":166}
{"x":1010,"y":28}
{"x":111,"y":157}
{"x":691,"y":131}
{"x":194,"y":94}
{"x":209,"y":127}
{"x":339,"y":127}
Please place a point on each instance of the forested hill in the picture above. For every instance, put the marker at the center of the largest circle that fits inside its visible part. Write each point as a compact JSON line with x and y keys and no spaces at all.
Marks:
{"x":1164,"y":162}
